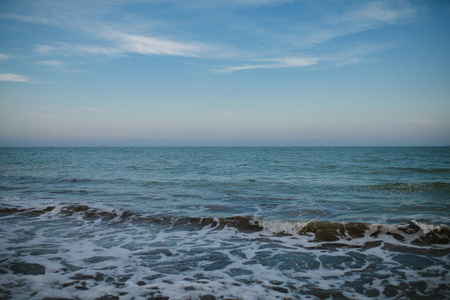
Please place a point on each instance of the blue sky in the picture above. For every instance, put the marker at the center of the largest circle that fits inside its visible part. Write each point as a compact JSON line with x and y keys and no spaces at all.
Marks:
{"x":224,"y":72}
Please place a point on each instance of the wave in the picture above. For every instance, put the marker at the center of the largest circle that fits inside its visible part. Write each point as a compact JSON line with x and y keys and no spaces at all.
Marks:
{"x":412,"y":233}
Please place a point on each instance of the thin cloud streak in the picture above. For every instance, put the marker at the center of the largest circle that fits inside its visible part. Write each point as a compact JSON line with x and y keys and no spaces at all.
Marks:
{"x":75,"y":49}
{"x":349,"y":56}
{"x":5,"y":56}
{"x":122,"y":44}
{"x":148,"y":45}
{"x":279,"y":63}
{"x":57,"y":65}
{"x":353,"y":55}
{"x":26,"y":18}
{"x":13,"y":77}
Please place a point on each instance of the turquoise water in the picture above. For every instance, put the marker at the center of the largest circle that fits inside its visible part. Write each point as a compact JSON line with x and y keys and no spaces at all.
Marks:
{"x":240,"y":223}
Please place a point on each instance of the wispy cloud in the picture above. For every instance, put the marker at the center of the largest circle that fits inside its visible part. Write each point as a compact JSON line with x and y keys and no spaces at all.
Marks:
{"x":44,"y":49}
{"x":5,"y":56}
{"x":26,"y":18}
{"x":277,"y":63}
{"x":57,"y":65}
{"x":13,"y":77}
{"x":390,"y":12}
{"x":315,"y":38}
{"x":122,"y":36}
{"x":122,"y":44}
{"x":149,"y":45}
{"x":352,"y":55}
{"x":71,"y":49}
{"x":362,"y":17}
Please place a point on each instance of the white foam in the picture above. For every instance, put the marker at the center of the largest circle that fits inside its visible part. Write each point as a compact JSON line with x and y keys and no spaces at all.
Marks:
{"x":426,"y":228}
{"x":252,"y":265}
{"x":286,"y":227}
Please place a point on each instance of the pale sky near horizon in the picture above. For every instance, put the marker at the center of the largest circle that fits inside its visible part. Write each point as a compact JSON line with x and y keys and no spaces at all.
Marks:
{"x":224,"y":72}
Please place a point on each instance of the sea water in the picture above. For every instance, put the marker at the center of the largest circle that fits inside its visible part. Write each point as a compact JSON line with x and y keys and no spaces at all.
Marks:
{"x":225,"y":223}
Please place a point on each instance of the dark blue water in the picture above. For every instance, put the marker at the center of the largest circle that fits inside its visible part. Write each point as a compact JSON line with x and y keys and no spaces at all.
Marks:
{"x":239,"y":223}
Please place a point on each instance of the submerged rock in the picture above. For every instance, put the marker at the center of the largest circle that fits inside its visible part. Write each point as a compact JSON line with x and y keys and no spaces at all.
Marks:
{"x":27,"y":268}
{"x":108,"y":297}
{"x":208,"y":297}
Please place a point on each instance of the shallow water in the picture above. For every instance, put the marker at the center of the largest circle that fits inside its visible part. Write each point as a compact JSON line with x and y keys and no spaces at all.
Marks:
{"x":239,"y":223}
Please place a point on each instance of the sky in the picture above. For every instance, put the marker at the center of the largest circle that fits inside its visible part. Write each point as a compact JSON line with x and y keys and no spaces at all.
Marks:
{"x":224,"y":73}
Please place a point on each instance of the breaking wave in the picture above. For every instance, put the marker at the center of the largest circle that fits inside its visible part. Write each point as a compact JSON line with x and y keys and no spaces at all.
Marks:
{"x":413,"y":232}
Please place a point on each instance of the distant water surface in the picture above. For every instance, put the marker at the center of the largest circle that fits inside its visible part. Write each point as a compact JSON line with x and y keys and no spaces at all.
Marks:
{"x":240,"y":223}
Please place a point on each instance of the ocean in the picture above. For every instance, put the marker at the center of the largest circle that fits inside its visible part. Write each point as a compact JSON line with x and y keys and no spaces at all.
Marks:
{"x":110,"y":223}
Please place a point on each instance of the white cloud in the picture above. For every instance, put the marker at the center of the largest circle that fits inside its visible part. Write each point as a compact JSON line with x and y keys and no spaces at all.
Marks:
{"x":44,"y":48}
{"x":121,"y":43}
{"x":13,"y":77}
{"x":57,"y":65}
{"x":279,"y":63}
{"x":148,"y":45}
{"x":92,"y":50}
{"x":25,"y":18}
